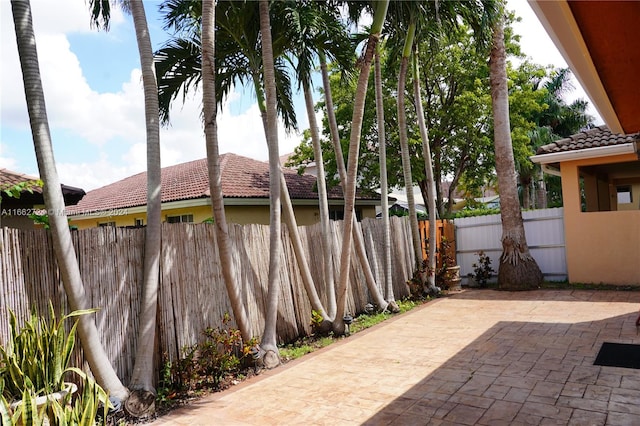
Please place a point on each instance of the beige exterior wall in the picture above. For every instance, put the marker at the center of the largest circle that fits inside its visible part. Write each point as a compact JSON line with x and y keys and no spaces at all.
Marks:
{"x":305,"y":215}
{"x":601,"y":247}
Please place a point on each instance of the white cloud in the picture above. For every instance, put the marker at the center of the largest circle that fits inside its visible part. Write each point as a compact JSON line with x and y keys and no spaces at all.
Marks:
{"x":93,"y":174}
{"x":112,"y":124}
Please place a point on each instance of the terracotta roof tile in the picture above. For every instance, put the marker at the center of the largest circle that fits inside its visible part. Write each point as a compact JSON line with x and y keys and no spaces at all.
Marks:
{"x":8,"y":177}
{"x":242,"y":177}
{"x":592,"y":138}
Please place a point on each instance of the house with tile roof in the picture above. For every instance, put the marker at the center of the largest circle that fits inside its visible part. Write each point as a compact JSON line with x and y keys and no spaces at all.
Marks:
{"x":186,"y":197}
{"x":15,"y":211}
{"x":600,"y":173}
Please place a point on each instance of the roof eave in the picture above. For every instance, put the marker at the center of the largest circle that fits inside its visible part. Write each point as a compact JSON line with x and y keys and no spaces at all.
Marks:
{"x":558,"y":20}
{"x":582,"y":154}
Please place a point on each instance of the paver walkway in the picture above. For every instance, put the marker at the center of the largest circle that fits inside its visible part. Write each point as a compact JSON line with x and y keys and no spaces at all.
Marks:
{"x":479,"y":357}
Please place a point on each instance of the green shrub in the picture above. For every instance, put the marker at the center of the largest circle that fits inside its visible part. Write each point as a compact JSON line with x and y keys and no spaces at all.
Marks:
{"x":206,"y":364}
{"x":482,"y":269}
{"x":475,"y":212}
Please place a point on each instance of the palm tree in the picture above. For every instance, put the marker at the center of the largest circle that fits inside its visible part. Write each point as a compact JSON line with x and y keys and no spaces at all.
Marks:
{"x":428,"y":167}
{"x":384,"y":189}
{"x":355,"y":10}
{"x":179,"y":68}
{"x":269,"y":342}
{"x":558,"y":120}
{"x":352,"y":168}
{"x":142,"y":400}
{"x":62,"y":245}
{"x":213,"y":165}
{"x":238,"y":58}
{"x":518,"y":270}
{"x":317,"y":30}
{"x":410,"y":17}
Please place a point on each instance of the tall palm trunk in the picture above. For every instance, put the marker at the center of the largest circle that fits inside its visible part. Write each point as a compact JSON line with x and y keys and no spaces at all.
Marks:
{"x":213,"y":164}
{"x":268,"y":343}
{"x":62,"y":245}
{"x":352,"y":168}
{"x":431,"y":184}
{"x":142,"y":400}
{"x":404,"y":144}
{"x":358,"y":239}
{"x":518,"y":270}
{"x":384,"y":187}
{"x":327,"y":261}
{"x":290,"y":220}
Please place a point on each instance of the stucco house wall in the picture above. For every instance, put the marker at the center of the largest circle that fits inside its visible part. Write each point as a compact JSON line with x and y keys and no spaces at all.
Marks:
{"x":602,"y":237}
{"x":602,"y":246}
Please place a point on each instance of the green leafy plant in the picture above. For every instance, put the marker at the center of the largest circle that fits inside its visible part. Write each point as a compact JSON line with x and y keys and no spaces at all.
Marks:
{"x":13,"y":190}
{"x":482,"y":269}
{"x":208,"y":363}
{"x":165,"y":392}
{"x":92,"y":403}
{"x":316,"y":321}
{"x":37,"y":356}
{"x":32,"y":375}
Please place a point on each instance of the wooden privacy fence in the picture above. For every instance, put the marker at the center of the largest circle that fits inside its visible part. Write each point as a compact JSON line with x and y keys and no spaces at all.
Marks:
{"x":192,"y":295}
{"x":444,"y":230}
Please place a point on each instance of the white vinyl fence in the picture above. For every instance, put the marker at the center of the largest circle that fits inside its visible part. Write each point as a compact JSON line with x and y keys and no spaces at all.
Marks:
{"x":545,"y":236}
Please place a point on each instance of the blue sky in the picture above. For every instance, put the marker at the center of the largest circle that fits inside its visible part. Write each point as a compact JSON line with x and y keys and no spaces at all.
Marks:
{"x":95,"y":103}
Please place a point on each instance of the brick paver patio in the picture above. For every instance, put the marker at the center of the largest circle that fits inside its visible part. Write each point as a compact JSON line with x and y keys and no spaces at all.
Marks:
{"x":478,"y":357}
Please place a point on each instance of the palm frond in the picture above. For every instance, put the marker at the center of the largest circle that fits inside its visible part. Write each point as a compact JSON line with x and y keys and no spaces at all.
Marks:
{"x":178,"y":70}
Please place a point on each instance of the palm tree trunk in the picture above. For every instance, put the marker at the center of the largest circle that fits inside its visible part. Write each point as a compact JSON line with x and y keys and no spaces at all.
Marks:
{"x":292,"y":225}
{"x":358,"y":241}
{"x":271,"y":358}
{"x":352,"y":169}
{"x":333,"y":122}
{"x":62,"y":245}
{"x":323,"y":201}
{"x":517,"y":270}
{"x":404,"y":146}
{"x":290,"y":220}
{"x":225,"y":249}
{"x":384,"y":187}
{"x":431,"y":184}
{"x":142,"y":400}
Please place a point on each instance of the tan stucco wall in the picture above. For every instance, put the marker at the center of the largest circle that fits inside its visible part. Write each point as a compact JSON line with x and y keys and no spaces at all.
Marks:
{"x":601,"y":247}
{"x":635,"y":196}
{"x":305,"y":215}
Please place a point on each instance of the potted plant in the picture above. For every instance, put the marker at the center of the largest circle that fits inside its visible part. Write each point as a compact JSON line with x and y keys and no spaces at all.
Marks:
{"x":33,"y":366}
{"x":482,"y":270}
{"x":448,"y":274}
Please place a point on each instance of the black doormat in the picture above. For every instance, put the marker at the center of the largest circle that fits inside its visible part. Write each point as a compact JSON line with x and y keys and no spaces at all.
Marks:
{"x":619,"y":355}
